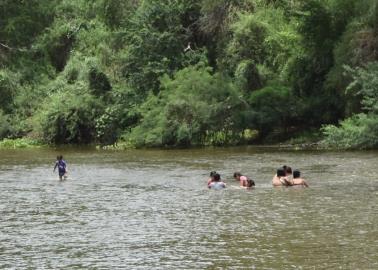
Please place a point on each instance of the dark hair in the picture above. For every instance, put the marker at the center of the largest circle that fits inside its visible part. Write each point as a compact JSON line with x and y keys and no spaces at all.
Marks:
{"x":280,"y":172}
{"x":60,"y":157}
{"x":212,"y":173}
{"x":296,"y":174}
{"x":236,"y":174}
{"x":288,"y":170}
{"x":250,"y":183}
{"x":284,"y":167}
{"x":217,"y":177}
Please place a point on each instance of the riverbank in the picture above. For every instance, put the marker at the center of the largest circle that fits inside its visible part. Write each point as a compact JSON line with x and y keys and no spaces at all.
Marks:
{"x":307,"y":140}
{"x":121,"y":146}
{"x":21,"y":143}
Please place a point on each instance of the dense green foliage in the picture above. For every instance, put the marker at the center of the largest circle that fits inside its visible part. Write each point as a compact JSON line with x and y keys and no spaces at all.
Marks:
{"x":188,"y":72}
{"x":360,"y":130}
{"x":190,"y":109}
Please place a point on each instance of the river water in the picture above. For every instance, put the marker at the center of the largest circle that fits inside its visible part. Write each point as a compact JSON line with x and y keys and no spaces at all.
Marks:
{"x":150,"y":209}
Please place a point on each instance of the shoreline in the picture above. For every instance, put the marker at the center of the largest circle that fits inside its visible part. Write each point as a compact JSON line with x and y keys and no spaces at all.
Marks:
{"x":25,"y":143}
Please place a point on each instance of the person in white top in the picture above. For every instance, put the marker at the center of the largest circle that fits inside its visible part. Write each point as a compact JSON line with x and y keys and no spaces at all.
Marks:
{"x":217,"y":183}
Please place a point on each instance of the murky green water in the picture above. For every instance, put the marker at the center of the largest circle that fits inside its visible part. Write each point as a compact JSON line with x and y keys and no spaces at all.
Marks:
{"x":151,"y":210}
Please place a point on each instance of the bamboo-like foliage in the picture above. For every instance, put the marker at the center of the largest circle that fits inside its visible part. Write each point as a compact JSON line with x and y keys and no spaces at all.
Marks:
{"x":187,"y":72}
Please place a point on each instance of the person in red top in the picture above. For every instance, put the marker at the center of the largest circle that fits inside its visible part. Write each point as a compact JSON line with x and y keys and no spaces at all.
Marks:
{"x":244,"y":180}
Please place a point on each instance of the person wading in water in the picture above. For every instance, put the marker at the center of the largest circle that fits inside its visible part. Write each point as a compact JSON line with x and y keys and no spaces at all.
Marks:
{"x":62,"y":167}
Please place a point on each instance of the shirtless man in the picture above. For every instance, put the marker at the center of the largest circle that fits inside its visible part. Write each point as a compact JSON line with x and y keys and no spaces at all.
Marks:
{"x":288,"y":173}
{"x":298,"y":180}
{"x":281,"y":179}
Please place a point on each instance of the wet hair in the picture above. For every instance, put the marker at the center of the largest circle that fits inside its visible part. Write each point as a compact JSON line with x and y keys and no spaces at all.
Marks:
{"x":60,"y":157}
{"x":217,"y":177}
{"x":212,"y":173}
{"x":284,"y":167}
{"x":296,"y":174}
{"x":236,"y":174}
{"x":250,"y":183}
{"x":280,"y":172}
{"x":288,"y":170}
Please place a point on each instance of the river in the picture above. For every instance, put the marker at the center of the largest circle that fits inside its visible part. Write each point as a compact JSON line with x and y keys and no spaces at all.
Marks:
{"x":151,"y":209}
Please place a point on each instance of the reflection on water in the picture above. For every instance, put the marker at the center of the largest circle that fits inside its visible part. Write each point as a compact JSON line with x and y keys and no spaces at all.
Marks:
{"x":150,"y":209}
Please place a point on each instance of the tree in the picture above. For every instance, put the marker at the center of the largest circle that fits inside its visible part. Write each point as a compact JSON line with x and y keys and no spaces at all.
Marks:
{"x":190,"y":108}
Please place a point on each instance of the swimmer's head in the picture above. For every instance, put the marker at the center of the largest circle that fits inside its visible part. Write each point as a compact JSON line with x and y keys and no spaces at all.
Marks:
{"x":250,"y":183}
{"x":288,"y":170}
{"x":296,"y":174}
{"x":216,"y":177}
{"x":281,"y":172}
{"x":213,"y":173}
{"x":237,"y":175}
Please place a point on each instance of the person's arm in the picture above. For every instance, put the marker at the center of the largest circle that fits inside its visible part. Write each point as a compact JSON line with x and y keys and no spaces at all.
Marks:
{"x":209,"y":181}
{"x":56,"y":165}
{"x":276,"y":181}
{"x":305,"y":183}
{"x":288,"y":181}
{"x":243,"y":181}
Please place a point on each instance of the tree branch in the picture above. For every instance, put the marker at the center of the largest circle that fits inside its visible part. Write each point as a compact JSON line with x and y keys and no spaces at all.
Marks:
{"x":5,"y":46}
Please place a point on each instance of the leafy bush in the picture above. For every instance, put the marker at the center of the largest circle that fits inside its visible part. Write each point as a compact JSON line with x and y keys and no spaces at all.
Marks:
{"x":22,"y":21}
{"x":69,"y":117}
{"x":361,"y":130}
{"x":88,"y":71}
{"x":156,"y":40}
{"x":357,"y":132}
{"x":264,"y":42}
{"x":98,"y":82}
{"x":366,"y":84}
{"x":272,"y":108}
{"x":5,"y":127}
{"x":191,"y":107}
{"x":19,"y":143}
{"x":8,"y":85}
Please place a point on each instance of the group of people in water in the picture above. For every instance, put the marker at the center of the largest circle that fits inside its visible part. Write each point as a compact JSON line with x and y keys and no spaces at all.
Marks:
{"x":284,"y":176}
{"x":215,"y":182}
